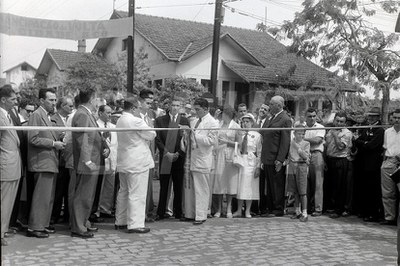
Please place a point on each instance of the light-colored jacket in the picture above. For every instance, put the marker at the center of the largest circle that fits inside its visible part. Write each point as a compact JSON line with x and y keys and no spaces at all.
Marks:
{"x":203,"y":142}
{"x":42,"y":156}
{"x":134,"y":155}
{"x":10,"y":158}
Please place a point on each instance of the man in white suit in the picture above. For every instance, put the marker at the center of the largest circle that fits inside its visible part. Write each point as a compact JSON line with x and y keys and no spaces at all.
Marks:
{"x":10,"y":159}
{"x":134,"y":160}
{"x":201,"y":160}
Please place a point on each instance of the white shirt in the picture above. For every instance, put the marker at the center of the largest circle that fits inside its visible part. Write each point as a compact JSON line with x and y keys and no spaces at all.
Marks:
{"x":391,"y":142}
{"x":110,"y":162}
{"x":316,"y":133}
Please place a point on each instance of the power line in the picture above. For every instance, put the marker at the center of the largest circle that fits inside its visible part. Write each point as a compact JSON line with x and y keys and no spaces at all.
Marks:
{"x":251,"y":15}
{"x":191,"y":5}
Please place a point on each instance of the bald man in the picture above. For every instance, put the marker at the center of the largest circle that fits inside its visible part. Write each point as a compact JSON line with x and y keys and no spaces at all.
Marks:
{"x":274,"y":152}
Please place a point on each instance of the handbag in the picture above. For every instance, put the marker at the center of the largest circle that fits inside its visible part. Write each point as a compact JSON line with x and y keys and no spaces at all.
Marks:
{"x":237,"y":158}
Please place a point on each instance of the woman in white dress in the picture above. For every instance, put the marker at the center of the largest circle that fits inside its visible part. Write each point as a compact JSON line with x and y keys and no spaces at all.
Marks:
{"x":248,"y":183}
{"x":226,"y":174}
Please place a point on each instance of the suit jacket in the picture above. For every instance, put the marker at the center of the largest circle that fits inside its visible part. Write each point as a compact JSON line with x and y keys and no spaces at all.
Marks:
{"x":169,"y":141}
{"x":134,"y":154}
{"x":276,"y":143}
{"x":370,"y":148}
{"x":57,"y":121}
{"x":42,"y":156}
{"x":22,"y":135}
{"x":10,"y":157}
{"x":86,"y":146}
{"x":203,"y":142}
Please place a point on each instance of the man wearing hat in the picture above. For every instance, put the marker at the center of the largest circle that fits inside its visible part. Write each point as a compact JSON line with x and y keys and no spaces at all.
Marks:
{"x":369,"y":160}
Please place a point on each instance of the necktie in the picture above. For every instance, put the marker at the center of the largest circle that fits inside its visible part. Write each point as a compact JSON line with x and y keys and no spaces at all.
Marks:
{"x":243,"y":150}
{"x":9,"y":119}
{"x":198,"y":122}
{"x":107,"y":134}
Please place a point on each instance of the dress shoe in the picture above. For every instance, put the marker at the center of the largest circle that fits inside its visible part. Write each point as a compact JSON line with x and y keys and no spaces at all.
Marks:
{"x":120,"y":227}
{"x":184,"y":219}
{"x":279,"y":214}
{"x":316,"y":214}
{"x":95,"y":219}
{"x":37,"y":234}
{"x":82,"y":235}
{"x":371,"y":219}
{"x":159,"y":218}
{"x":346,"y":214}
{"x":50,"y":229}
{"x":92,"y":229}
{"x":296,"y":216}
{"x":149,"y":220}
{"x":143,"y":230}
{"x":197,"y":222}
{"x":10,"y":233}
{"x":303,"y":218}
{"x":237,"y":215}
{"x":4,"y":242}
{"x":388,"y":222}
{"x":229,"y":215}
{"x":334,"y":216}
{"x":217,"y":215}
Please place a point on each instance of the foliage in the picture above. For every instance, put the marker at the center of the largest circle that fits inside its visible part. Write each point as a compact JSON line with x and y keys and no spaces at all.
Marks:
{"x":140,"y":69}
{"x":339,"y":36}
{"x":29,"y":89}
{"x":92,"y":72}
{"x":181,"y":88}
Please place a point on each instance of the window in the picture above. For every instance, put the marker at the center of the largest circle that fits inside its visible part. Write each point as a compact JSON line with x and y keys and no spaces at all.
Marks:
{"x":207,"y":84}
{"x":157,"y":83}
{"x":124,"y":44}
{"x":24,"y":67}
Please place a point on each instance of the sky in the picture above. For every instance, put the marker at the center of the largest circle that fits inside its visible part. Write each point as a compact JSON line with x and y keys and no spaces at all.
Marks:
{"x":247,"y":13}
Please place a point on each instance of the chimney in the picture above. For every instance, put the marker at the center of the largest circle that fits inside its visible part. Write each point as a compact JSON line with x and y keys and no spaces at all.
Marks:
{"x":82,"y":46}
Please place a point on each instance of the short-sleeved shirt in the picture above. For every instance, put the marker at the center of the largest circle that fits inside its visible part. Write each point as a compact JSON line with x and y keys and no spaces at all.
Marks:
{"x":391,"y":142}
{"x":294,"y":155}
{"x":345,"y":137}
{"x":316,"y":133}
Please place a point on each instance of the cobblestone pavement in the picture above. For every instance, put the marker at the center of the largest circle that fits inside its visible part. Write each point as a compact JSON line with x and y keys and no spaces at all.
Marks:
{"x":219,"y":241}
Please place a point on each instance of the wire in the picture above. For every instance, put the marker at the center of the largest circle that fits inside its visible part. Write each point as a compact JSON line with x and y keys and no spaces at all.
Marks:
{"x":251,"y":15}
{"x":147,"y":7}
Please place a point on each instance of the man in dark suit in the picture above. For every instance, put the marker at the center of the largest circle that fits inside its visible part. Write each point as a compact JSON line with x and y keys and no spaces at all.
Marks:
{"x":275,"y":149}
{"x":64,"y":108}
{"x":172,"y":158}
{"x":43,"y":148}
{"x":89,"y":151}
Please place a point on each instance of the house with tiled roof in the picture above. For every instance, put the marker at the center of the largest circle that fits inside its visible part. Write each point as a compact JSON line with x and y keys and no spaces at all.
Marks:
{"x":249,"y":61}
{"x":20,"y":73}
{"x":54,"y":64}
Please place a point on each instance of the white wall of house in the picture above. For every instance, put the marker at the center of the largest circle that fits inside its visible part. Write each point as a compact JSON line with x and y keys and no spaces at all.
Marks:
{"x":55,"y":77}
{"x":17,"y":76}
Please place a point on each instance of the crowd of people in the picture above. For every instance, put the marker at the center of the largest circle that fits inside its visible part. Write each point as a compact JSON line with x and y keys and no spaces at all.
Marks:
{"x":210,"y":162}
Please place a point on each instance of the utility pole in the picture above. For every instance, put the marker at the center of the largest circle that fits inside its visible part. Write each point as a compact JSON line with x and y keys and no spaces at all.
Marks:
{"x":397,"y":28}
{"x":131,"y":49}
{"x":215,"y":48}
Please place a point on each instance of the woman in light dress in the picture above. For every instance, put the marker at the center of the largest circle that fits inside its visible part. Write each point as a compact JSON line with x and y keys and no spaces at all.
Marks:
{"x":248,"y":183}
{"x":226,"y":174}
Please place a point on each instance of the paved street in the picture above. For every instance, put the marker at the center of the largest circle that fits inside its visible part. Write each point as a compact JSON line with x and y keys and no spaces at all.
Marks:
{"x":220,"y":241}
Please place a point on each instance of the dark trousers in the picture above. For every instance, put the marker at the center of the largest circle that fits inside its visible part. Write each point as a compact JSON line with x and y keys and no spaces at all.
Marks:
{"x":371,"y":194}
{"x":337,"y":183}
{"x":26,"y":207}
{"x":96,"y":201}
{"x":177,"y":182}
{"x":61,"y":195}
{"x":275,"y":188}
{"x":262,"y":203}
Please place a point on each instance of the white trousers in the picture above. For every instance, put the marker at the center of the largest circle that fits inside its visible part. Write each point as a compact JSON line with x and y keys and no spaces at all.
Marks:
{"x":131,"y":199}
{"x":201,"y":183}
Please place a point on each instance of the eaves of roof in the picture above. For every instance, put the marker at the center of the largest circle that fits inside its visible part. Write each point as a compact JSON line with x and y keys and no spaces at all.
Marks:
{"x":34,"y":68}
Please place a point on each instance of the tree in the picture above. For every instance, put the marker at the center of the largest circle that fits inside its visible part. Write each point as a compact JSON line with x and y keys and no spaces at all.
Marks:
{"x":338,"y":34}
{"x":95,"y":72}
{"x":29,"y":89}
{"x":180,"y":87}
{"x":140,"y":69}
